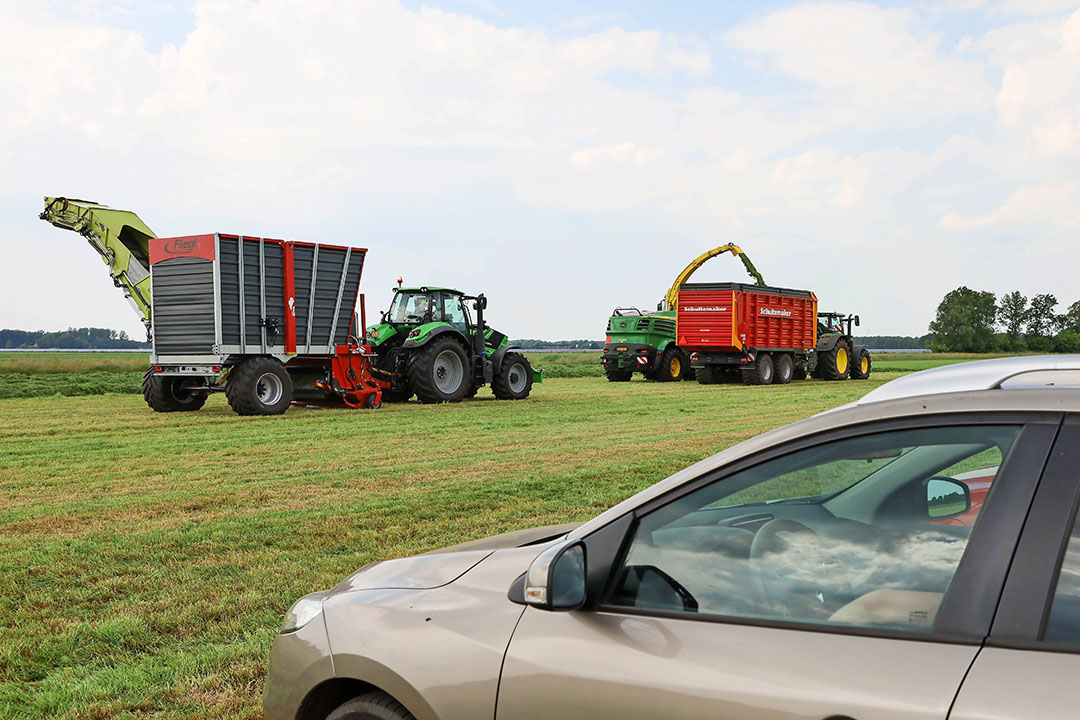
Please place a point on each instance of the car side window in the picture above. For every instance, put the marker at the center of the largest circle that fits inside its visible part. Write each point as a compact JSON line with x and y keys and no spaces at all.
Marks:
{"x":864,"y":532}
{"x":1063,"y":623}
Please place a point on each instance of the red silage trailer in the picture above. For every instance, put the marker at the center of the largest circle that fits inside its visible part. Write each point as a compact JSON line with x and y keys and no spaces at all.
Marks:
{"x":755,"y":333}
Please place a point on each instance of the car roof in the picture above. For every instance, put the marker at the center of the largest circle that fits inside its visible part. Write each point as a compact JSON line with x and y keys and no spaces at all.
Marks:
{"x":998,"y":385}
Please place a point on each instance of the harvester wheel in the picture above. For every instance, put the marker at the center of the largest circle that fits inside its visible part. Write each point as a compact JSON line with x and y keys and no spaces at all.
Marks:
{"x":515,"y":378}
{"x":762,"y":373}
{"x":259,"y":386}
{"x":440,"y":371}
{"x":785,"y":369}
{"x":835,"y":364}
{"x":672,"y":365}
{"x":860,"y":370}
{"x":167,"y":394}
{"x":617,"y":375}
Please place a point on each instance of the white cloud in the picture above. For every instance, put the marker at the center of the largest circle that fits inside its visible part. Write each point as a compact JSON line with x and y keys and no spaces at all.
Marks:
{"x":517,"y":160}
{"x":867,"y":59}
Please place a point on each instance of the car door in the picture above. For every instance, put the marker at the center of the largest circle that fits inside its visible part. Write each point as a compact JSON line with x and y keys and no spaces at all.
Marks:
{"x":1032,"y":657}
{"x":824,"y":579}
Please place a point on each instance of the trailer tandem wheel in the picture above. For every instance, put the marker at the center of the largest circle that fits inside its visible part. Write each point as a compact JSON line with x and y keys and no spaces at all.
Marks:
{"x":168,"y":394}
{"x":259,"y":386}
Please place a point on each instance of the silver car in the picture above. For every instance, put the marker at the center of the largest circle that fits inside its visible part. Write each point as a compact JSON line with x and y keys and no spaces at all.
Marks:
{"x":913,"y":555}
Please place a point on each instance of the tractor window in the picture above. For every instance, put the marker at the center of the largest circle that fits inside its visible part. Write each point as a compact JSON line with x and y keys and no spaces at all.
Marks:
{"x":454,"y":311}
{"x":409,"y":307}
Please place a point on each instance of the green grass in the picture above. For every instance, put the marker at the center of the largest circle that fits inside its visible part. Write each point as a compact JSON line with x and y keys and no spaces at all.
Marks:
{"x":146,"y":559}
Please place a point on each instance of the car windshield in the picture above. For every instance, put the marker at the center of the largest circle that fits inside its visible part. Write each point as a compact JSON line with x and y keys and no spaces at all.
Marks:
{"x":409,"y":307}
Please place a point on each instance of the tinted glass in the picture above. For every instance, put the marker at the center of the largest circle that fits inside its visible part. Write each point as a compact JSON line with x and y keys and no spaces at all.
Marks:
{"x":1063,"y":625}
{"x":846,"y":533}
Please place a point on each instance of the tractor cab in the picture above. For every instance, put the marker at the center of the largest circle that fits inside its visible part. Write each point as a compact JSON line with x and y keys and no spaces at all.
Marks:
{"x":419,"y":306}
{"x":830,"y":323}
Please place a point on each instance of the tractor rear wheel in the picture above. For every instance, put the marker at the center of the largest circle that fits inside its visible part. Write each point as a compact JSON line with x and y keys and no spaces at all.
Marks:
{"x":860,"y":370}
{"x":515,"y":378}
{"x":785,"y":369}
{"x":168,"y":394}
{"x":440,"y":371}
{"x":835,"y":364}
{"x":617,"y":375}
{"x":259,"y":386}
{"x":762,"y":373}
{"x":672,"y":365}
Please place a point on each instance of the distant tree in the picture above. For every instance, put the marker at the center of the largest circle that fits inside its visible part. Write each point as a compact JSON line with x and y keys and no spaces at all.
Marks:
{"x":1067,"y":342}
{"x":964,"y":322}
{"x":1070,"y":321}
{"x":1012,"y":312}
{"x":1041,"y":321}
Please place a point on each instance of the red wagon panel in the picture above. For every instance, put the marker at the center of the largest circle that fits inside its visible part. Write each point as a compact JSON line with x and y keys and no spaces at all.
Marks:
{"x":732,"y":317}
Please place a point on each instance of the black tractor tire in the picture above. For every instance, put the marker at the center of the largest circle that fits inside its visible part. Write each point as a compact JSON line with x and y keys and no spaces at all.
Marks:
{"x":259,"y":386}
{"x":835,"y":364}
{"x":689,"y":373}
{"x":440,"y":371}
{"x":514,"y":380}
{"x":800,"y":372}
{"x":371,"y":706}
{"x":860,"y":369}
{"x":708,"y":375}
{"x":762,"y":373}
{"x":617,"y":375}
{"x":672,"y":366}
{"x":167,"y":394}
{"x":784,"y":365}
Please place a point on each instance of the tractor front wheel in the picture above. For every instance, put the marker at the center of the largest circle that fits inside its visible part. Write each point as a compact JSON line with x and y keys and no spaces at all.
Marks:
{"x":672,"y":366}
{"x":762,"y":373}
{"x":618,"y":375}
{"x":169,"y":394}
{"x":440,"y":371}
{"x":835,"y":364}
{"x":860,"y":370}
{"x":515,"y":378}
{"x":259,"y":386}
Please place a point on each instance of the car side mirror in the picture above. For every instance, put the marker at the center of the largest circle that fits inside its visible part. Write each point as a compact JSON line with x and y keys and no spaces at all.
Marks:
{"x":556,"y":578}
{"x":946,"y":497}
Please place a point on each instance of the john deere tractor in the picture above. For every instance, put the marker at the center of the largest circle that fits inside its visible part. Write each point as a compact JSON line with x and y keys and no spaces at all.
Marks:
{"x":838,"y":357}
{"x":428,"y":344}
{"x":644,"y":343}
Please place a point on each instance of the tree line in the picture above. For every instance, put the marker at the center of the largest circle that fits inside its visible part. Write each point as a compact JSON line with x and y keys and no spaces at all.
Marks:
{"x":976,"y":321}
{"x":70,"y":339}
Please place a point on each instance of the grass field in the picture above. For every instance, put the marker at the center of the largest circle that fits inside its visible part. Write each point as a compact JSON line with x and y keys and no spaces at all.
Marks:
{"x":146,"y":559}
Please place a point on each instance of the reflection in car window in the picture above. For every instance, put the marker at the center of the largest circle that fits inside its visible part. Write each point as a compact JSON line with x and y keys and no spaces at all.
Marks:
{"x":861,"y":532}
{"x":1063,"y":625}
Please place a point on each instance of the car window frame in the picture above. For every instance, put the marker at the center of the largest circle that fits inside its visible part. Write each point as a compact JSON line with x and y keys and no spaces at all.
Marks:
{"x":1026,"y":601}
{"x":967,"y":609}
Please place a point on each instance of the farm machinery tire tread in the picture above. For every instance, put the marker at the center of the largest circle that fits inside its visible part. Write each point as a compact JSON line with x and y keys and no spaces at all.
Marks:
{"x":504,"y":382}
{"x":161,"y":396}
{"x":672,"y":366}
{"x":618,"y":375}
{"x":243,"y":387}
{"x":421,"y":371}
{"x":835,"y":364}
{"x":860,"y":368}
{"x":763,"y":372}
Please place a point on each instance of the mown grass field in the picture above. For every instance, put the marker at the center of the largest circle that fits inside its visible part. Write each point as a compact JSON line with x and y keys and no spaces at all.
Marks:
{"x":146,"y":559}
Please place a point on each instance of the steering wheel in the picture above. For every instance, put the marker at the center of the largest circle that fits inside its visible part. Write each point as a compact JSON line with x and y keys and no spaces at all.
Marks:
{"x":766,"y":577}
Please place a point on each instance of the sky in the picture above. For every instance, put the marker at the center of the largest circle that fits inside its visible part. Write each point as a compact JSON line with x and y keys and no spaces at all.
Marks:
{"x":561,"y":157}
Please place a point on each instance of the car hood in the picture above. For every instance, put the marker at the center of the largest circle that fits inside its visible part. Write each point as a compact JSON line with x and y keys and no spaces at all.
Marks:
{"x":443,"y":566}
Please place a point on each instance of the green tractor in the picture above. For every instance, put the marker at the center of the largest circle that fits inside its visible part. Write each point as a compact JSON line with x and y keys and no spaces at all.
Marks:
{"x":427,"y":344}
{"x":644,"y":343}
{"x":838,"y":357}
